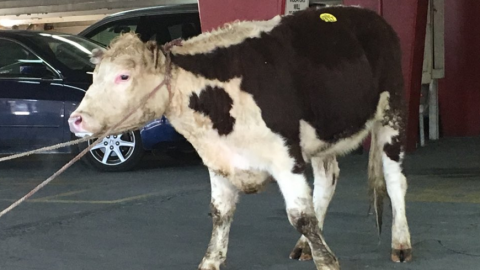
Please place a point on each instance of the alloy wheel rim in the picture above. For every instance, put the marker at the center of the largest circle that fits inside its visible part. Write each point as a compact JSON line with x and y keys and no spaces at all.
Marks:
{"x":114,"y":149}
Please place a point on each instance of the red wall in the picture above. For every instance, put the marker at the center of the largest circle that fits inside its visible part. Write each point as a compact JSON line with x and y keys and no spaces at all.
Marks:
{"x":214,"y":13}
{"x":459,"y":92}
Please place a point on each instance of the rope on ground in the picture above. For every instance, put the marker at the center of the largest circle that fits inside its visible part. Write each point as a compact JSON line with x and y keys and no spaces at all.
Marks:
{"x":44,"y":183}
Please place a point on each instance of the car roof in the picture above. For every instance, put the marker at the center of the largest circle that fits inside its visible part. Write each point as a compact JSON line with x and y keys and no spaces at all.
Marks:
{"x":139,"y":12}
{"x":24,"y":35}
{"x":155,"y":10}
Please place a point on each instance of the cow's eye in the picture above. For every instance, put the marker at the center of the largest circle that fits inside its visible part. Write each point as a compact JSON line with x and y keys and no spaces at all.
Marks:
{"x":122,"y":77}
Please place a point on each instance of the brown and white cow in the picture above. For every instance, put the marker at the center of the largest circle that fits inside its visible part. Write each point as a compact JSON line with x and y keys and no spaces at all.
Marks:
{"x":260,"y":99}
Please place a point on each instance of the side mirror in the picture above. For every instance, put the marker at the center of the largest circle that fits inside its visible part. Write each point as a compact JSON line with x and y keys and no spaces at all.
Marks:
{"x":38,"y":70}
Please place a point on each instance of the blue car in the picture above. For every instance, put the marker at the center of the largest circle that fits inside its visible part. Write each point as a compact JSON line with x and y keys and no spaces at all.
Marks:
{"x":43,"y":77}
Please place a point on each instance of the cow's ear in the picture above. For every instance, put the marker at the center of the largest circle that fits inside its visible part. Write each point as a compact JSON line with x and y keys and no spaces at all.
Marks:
{"x":97,"y":55}
{"x":151,"y":45}
{"x":157,"y":55}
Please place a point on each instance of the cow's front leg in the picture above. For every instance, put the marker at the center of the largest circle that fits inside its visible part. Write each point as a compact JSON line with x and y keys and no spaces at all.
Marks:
{"x":301,"y":215}
{"x":224,"y":199}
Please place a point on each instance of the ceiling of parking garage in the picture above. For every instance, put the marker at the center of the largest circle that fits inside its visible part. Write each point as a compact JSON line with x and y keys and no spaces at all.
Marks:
{"x":77,"y":13}
{"x":24,"y":12}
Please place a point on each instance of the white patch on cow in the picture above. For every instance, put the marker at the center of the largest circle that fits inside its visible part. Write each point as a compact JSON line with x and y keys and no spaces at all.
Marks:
{"x":386,"y":134}
{"x":397,"y":188}
{"x":224,"y":195}
{"x":326,"y":172}
{"x":309,"y":141}
{"x":312,"y":146}
{"x":250,"y":146}
{"x":296,"y":192}
{"x":226,"y":36}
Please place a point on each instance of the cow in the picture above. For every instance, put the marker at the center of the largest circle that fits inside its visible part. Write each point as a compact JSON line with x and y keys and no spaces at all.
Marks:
{"x":260,"y":100}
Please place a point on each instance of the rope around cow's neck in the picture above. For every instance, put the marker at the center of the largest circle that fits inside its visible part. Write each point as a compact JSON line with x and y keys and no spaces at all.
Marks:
{"x":165,"y":82}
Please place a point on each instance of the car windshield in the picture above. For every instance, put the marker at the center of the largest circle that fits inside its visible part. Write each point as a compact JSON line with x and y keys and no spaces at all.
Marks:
{"x":72,"y":51}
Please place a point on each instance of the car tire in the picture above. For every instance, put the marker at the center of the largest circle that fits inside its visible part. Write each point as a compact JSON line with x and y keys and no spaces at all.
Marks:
{"x":128,"y":144}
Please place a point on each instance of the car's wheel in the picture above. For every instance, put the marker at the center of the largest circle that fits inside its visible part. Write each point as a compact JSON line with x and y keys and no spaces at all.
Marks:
{"x":115,"y":153}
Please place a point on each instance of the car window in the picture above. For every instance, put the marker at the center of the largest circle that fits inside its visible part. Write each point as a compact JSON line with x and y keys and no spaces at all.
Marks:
{"x":164,"y":28}
{"x":17,"y":61}
{"x":72,"y":51}
{"x":105,"y":33}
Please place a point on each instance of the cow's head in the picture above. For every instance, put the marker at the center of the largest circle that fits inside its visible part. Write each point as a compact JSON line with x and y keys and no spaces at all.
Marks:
{"x":125,"y":73}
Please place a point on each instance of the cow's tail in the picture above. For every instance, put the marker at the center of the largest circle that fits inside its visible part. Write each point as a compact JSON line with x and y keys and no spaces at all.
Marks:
{"x":377,"y":187}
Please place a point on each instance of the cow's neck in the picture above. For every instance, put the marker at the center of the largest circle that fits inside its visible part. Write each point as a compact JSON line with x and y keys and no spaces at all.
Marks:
{"x":178,"y":98}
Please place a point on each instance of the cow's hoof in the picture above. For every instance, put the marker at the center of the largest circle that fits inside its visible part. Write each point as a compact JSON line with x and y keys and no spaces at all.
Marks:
{"x":301,"y":252}
{"x":401,"y":255}
{"x":206,"y":265}
{"x":210,"y":267}
{"x":332,"y":265}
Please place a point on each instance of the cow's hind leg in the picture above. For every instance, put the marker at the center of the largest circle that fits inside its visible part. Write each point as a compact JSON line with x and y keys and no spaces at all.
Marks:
{"x":389,"y":142}
{"x":301,"y":215}
{"x":326,"y":172}
{"x":224,"y":199}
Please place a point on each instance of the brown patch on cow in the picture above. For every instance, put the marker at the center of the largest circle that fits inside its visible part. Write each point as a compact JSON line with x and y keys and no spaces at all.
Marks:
{"x":253,"y":188}
{"x":221,"y":228}
{"x":221,"y":173}
{"x":302,"y":251}
{"x":393,"y":150}
{"x":401,"y":255}
{"x":308,"y":226}
{"x":215,"y":103}
{"x":296,"y":153}
{"x":216,"y":216}
{"x":250,"y":181}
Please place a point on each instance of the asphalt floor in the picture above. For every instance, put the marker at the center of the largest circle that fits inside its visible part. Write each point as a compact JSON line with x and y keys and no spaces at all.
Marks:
{"x":156,"y":217}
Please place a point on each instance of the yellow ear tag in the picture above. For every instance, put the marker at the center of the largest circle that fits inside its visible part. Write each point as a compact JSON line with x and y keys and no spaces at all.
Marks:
{"x":327,"y":17}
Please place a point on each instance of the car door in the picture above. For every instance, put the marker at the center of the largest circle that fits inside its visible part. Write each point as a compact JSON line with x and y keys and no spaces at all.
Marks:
{"x":31,"y":100}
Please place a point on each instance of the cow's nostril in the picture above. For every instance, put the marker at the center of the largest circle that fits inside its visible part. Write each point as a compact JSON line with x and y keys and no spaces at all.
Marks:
{"x":76,"y":120}
{"x":75,"y":123}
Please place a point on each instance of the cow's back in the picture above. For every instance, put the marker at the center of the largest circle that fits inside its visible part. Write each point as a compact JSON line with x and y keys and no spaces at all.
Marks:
{"x":341,"y":67}
{"x":329,"y":74}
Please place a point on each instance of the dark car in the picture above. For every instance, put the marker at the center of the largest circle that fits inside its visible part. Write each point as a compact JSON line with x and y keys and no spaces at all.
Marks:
{"x":43,"y":77}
